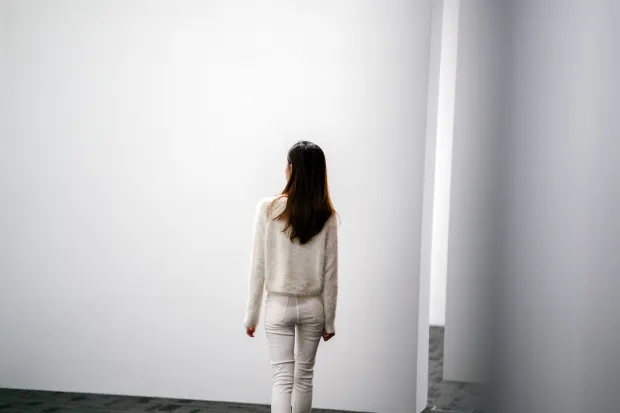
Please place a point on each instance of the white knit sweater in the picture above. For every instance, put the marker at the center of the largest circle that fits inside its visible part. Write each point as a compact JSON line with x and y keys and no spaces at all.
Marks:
{"x":283,"y":266}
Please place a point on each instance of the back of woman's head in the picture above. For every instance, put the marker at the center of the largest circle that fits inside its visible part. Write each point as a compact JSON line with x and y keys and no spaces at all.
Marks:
{"x":308,"y":205}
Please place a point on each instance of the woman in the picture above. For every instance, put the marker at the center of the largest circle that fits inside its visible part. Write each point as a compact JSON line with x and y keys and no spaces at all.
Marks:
{"x":296,"y":261}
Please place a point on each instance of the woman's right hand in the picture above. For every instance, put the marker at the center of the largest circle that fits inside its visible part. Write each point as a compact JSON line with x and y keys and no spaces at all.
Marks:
{"x":327,"y":336}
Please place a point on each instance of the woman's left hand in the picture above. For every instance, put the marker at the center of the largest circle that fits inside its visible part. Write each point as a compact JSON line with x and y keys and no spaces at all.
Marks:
{"x":250,"y":331}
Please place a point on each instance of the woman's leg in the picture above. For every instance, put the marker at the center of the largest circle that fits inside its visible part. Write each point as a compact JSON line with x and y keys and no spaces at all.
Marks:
{"x":280,"y":330}
{"x":309,"y":332}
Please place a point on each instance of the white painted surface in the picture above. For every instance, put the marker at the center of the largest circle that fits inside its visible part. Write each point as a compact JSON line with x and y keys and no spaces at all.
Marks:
{"x":427,"y":206}
{"x":443,"y":159}
{"x":477,"y":129}
{"x":558,"y":284}
{"x":2,"y":65}
{"x":139,"y":138}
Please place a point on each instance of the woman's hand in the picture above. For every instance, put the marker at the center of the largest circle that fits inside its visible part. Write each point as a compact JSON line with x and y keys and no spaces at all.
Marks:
{"x":250,"y":331}
{"x":327,"y":336}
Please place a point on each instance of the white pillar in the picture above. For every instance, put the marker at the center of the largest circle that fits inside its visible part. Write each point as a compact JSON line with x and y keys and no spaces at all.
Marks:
{"x":558,"y":341}
{"x":534,"y":232}
{"x":480,"y":74}
{"x":426,"y":305}
{"x":443,"y":124}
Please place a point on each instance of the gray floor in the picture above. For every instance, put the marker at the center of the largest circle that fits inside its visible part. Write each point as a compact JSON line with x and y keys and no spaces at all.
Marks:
{"x":443,"y":396}
{"x":449,"y":395}
{"x":15,"y":401}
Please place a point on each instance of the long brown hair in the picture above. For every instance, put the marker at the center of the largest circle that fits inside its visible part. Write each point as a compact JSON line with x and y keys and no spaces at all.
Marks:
{"x":308,"y":205}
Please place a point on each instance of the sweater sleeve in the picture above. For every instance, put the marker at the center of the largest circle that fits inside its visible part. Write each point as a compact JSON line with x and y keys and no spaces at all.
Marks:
{"x":257,"y":271}
{"x":330,"y":283}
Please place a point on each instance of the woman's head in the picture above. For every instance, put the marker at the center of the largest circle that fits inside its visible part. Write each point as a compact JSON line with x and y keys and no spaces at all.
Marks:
{"x":308,"y":205}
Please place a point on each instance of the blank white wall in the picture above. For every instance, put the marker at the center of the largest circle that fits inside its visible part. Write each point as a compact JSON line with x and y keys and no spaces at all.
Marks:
{"x":139,"y":138}
{"x":444,"y":125}
{"x":2,"y":63}
{"x":480,"y":75}
{"x":427,"y":205}
{"x":558,"y":330}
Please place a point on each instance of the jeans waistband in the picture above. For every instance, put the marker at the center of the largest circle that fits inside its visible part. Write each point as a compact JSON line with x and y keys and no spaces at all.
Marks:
{"x":281,"y":294}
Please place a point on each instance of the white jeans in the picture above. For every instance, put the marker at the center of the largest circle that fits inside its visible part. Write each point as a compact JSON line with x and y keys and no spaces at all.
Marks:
{"x":288,"y":318}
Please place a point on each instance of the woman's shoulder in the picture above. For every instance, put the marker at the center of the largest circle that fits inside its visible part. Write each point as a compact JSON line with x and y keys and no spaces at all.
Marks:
{"x":264,"y":203}
{"x":333,"y":222}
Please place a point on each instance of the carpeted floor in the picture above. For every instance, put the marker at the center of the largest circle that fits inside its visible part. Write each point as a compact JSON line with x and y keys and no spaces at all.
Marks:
{"x":443,"y":396}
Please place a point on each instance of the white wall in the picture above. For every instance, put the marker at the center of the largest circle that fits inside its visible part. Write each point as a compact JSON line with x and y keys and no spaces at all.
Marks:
{"x":481,"y":72}
{"x":424,"y":291}
{"x":2,"y":63}
{"x":557,"y":298}
{"x":444,"y":125}
{"x":139,"y":138}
